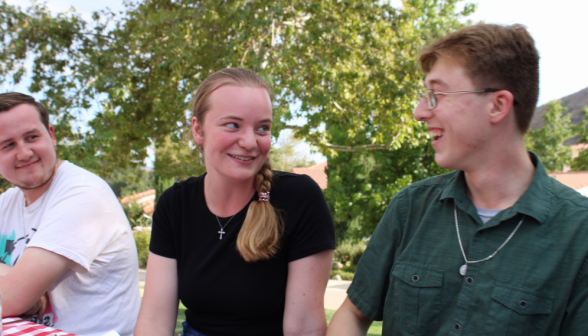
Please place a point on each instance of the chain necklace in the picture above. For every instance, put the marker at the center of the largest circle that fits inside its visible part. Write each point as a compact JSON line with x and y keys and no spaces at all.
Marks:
{"x":464,"y":268}
{"x":222,"y":227}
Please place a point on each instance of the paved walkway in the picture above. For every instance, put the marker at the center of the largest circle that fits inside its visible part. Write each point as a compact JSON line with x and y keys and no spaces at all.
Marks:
{"x":334,"y":295}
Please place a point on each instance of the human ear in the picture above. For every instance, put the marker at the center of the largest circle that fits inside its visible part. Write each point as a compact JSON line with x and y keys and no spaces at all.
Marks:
{"x":197,"y":131}
{"x":502,"y":105}
{"x":52,"y":135}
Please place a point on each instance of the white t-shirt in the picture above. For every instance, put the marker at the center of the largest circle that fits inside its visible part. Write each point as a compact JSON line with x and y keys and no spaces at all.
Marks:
{"x":79,"y":218}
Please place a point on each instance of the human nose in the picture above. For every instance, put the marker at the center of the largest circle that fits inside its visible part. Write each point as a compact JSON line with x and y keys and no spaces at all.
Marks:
{"x":23,"y":152}
{"x":248,"y":140}
{"x":422,"y":112}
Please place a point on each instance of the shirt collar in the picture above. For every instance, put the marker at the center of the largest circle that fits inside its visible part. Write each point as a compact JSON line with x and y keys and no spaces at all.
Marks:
{"x":534,"y":202}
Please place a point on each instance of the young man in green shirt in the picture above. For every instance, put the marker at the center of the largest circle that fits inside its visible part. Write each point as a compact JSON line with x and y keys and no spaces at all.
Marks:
{"x":495,"y":247}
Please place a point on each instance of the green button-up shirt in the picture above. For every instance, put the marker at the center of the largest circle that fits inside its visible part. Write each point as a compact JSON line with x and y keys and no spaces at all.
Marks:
{"x":536,"y":285}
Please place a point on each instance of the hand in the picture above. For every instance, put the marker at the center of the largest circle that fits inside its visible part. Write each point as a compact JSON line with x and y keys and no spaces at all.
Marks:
{"x":38,"y":308}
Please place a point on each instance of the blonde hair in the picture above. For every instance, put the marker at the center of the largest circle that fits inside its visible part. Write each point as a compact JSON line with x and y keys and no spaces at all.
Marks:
{"x":260,"y":234}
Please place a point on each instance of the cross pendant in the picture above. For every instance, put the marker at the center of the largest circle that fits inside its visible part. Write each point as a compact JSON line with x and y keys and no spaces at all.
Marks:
{"x":222,"y":232}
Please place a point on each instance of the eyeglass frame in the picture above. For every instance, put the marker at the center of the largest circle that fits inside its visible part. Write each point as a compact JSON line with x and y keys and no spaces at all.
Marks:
{"x":432,"y":101}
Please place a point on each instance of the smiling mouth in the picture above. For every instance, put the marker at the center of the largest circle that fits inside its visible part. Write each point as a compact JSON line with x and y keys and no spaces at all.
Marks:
{"x":27,"y":165}
{"x":436,"y":135}
{"x":242,"y":158}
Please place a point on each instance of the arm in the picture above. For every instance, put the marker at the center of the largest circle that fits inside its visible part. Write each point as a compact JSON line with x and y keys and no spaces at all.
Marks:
{"x":159,"y":308}
{"x":34,"y":273}
{"x":304,"y":312}
{"x":348,"y":320}
{"x":4,"y":269}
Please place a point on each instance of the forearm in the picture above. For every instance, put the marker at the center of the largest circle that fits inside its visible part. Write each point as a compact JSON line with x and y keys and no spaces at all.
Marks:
{"x":159,"y":308}
{"x":36,"y":271}
{"x":348,"y":321}
{"x":304,"y":313}
{"x":312,"y":323}
{"x":153,"y":325}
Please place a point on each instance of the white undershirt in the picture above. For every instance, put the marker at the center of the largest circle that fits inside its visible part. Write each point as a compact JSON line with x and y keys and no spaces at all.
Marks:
{"x":487,"y":214}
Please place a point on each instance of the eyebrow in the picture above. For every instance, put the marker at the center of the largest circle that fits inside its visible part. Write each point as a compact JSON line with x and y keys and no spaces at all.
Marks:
{"x":436,"y":81}
{"x":241,"y":119}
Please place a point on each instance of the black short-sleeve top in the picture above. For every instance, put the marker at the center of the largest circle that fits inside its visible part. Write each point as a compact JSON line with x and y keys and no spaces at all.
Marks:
{"x":224,"y":294}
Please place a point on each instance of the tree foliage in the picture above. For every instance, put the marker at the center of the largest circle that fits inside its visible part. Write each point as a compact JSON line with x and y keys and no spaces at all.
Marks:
{"x":580,"y":163}
{"x":549,"y":141}
{"x":4,"y":185}
{"x":348,"y":67}
{"x":285,"y":155}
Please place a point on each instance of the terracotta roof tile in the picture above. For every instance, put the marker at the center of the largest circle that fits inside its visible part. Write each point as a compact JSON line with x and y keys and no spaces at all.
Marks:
{"x":127,"y":199}
{"x":574,"y":179}
{"x":316,"y":172}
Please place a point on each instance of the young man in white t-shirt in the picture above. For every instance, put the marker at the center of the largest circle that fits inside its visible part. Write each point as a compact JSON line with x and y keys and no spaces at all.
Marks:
{"x":67,"y":253}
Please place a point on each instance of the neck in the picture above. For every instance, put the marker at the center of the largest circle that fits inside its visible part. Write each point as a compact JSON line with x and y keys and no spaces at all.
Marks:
{"x":32,"y":195}
{"x":502,"y":179}
{"x":226,"y":198}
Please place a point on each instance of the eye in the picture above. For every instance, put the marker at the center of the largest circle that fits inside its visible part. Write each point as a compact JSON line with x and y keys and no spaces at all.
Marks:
{"x":232,"y":125}
{"x":265,"y":128}
{"x":8,"y":145}
{"x":32,"y":137}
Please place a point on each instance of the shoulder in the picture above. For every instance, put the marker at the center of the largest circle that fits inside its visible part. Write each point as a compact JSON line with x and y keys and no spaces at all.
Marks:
{"x":70,"y":176}
{"x":76,"y":184}
{"x":10,"y":195}
{"x":568,"y":197}
{"x":10,"y":199}
{"x":293,"y":182}
{"x":427,"y":188}
{"x":182,"y":188}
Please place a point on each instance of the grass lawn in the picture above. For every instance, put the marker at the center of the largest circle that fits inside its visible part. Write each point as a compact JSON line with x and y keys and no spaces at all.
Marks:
{"x":375,"y":329}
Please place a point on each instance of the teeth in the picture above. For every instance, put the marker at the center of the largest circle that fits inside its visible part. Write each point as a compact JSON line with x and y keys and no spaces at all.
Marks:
{"x":242,"y":158}
{"x":436,"y":134}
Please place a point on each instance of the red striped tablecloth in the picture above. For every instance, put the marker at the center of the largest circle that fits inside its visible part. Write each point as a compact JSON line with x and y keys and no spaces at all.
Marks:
{"x":18,"y":327}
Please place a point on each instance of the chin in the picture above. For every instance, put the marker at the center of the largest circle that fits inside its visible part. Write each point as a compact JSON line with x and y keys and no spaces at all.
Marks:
{"x":446,"y":163}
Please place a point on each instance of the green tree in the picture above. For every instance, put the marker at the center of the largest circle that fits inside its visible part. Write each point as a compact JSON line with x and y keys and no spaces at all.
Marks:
{"x":549,"y":141}
{"x":581,"y":130}
{"x":4,"y":185}
{"x":349,"y":67}
{"x":130,"y":180}
{"x":285,"y":154}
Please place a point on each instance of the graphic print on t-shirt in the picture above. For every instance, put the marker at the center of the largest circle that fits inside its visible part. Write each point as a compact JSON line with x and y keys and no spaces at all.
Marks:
{"x":11,"y":247}
{"x":10,"y":250}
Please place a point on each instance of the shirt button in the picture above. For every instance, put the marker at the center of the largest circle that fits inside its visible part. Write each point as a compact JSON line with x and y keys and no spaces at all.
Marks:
{"x":415,"y":278}
{"x":523,"y":304}
{"x":456,"y":326}
{"x":469,"y":281}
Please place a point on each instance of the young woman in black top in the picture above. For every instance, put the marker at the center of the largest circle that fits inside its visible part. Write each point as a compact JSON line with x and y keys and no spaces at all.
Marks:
{"x":246,"y":249}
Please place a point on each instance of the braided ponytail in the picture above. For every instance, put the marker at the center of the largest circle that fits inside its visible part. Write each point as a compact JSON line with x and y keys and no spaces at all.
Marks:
{"x":259,"y":237}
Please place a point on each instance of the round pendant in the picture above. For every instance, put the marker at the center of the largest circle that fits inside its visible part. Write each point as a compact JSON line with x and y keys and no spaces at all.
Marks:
{"x":463,"y":269}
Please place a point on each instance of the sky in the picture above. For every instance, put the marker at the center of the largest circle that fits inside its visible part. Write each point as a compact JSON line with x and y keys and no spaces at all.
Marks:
{"x":558,"y":28}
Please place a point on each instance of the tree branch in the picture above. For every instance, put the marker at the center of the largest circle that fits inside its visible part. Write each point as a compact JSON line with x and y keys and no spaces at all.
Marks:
{"x":293,"y":127}
{"x":362,"y":147}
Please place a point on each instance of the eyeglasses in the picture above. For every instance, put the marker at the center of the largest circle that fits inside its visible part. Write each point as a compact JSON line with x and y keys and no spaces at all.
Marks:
{"x":431,"y":95}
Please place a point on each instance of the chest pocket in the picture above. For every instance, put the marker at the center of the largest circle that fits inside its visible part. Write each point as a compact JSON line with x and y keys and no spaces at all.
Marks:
{"x":417,"y":296}
{"x":517,"y":311}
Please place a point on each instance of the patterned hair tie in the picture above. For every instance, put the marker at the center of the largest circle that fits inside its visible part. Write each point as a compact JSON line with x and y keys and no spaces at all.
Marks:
{"x":264,"y":196}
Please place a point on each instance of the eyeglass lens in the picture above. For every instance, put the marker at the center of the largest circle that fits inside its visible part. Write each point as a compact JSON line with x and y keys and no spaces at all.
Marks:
{"x":431,"y":99}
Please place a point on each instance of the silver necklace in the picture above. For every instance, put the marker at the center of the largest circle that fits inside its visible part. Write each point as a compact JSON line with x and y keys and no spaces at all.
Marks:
{"x":222,"y":227}
{"x":464,"y":268}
